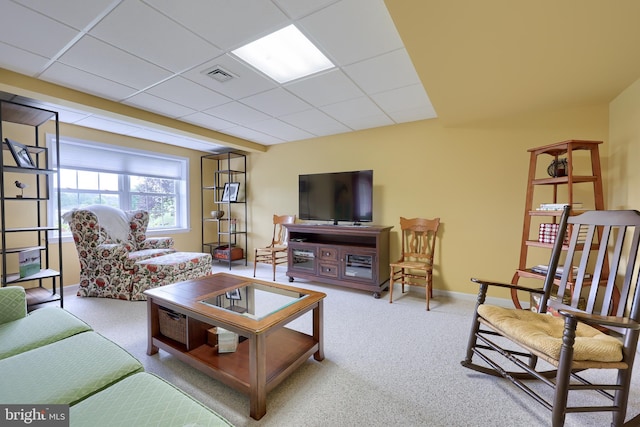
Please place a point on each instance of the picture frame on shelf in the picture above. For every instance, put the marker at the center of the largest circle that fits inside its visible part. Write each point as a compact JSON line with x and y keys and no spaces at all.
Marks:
{"x":20,"y":153}
{"x":231,"y":190}
{"x":234,"y":294}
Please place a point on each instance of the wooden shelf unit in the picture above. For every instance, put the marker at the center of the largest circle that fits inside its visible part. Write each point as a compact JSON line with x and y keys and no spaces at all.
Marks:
{"x":570,"y":180}
{"x":351,"y":256}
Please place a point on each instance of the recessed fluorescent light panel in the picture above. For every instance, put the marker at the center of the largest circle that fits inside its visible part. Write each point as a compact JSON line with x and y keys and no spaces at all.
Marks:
{"x":284,"y":55}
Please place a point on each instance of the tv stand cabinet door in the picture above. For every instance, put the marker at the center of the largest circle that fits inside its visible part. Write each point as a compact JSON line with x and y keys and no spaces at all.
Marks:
{"x":359,"y":265}
{"x":303,"y":259}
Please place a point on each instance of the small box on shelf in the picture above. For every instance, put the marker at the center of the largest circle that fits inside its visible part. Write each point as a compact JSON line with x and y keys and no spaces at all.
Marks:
{"x":223,"y":253}
{"x":223,"y":340}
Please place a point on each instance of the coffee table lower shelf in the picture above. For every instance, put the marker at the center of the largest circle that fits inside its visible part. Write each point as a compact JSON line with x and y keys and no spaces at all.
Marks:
{"x":286,"y":349}
{"x":180,"y":319}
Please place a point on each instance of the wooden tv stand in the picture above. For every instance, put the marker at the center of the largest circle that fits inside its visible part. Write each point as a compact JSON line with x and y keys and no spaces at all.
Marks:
{"x":351,"y":256}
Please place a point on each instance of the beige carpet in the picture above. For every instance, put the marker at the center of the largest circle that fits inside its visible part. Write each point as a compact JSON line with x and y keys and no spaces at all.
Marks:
{"x":385,"y":365}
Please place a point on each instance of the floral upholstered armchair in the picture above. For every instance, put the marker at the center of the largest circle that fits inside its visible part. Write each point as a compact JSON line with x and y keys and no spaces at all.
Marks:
{"x":109,"y":242}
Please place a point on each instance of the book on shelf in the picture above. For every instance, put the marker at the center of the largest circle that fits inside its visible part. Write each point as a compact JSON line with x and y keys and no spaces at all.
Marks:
{"x":29,"y":262}
{"x":543,"y":269}
{"x":558,"y":206}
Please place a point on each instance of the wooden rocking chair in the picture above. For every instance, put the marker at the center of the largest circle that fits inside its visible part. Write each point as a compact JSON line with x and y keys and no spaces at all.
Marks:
{"x":593,"y":327}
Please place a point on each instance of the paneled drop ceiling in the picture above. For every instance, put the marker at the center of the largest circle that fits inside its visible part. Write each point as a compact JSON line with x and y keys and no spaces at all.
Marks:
{"x":154,"y":55}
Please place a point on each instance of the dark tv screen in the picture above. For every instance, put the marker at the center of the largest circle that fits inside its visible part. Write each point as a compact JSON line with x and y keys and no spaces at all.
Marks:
{"x":337,"y":196}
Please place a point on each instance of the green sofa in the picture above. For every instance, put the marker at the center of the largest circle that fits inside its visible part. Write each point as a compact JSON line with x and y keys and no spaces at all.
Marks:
{"x":49,"y":356}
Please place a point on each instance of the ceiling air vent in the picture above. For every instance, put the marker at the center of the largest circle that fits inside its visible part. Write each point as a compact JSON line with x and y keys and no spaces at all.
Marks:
{"x":220,"y":74}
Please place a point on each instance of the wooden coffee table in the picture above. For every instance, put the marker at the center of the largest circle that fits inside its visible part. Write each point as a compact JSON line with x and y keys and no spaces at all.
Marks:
{"x":257,"y":311}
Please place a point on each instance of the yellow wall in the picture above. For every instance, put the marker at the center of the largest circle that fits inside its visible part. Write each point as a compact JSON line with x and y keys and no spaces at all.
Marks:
{"x":474,"y":179}
{"x":624,"y":135}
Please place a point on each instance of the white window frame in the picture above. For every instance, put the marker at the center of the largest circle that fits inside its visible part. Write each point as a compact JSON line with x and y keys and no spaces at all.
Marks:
{"x":179,"y":170}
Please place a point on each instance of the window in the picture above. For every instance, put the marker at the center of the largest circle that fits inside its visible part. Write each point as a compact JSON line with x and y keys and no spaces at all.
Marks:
{"x":125,"y":178}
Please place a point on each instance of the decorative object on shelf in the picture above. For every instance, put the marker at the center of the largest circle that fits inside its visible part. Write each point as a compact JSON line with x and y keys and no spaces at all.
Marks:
{"x":226,"y":253}
{"x":29,"y":262}
{"x":20,"y":153}
{"x":548,"y":232}
{"x":232,"y":225}
{"x":231,"y":190}
{"x":21,"y":186}
{"x":234,"y":294}
{"x":227,"y":341}
{"x":217,"y":214}
{"x":557,"y":168}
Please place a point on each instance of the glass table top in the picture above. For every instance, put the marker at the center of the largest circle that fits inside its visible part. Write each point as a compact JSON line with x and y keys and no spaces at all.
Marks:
{"x":254,"y":300}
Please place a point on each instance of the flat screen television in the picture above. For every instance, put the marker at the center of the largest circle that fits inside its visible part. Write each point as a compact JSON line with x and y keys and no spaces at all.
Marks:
{"x":337,"y":196}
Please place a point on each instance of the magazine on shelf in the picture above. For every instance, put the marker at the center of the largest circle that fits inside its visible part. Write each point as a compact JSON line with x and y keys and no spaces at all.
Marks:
{"x":558,"y":206}
{"x":542,"y":269}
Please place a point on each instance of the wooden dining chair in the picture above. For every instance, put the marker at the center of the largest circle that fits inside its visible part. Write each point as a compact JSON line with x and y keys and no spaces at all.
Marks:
{"x":586,"y":321}
{"x":415,"y":266}
{"x":277,"y":252}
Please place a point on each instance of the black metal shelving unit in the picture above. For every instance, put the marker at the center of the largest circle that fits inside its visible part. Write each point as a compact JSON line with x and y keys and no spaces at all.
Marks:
{"x":224,"y":237}
{"x":24,"y":232}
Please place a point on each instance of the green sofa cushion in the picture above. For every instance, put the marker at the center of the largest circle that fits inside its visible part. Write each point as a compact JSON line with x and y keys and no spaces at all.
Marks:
{"x":143,"y":400}
{"x":65,"y":371}
{"x":13,"y":303}
{"x":43,"y":326}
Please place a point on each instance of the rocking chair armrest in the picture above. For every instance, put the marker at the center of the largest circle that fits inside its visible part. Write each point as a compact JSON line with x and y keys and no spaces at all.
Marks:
{"x":507,"y":285}
{"x":594,"y":319}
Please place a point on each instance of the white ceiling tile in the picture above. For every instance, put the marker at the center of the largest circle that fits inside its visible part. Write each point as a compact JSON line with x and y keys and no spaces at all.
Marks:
{"x":413,"y":114}
{"x":368,"y":122}
{"x":108,"y":125}
{"x":253,"y":135}
{"x":297,"y":9}
{"x":70,"y":116}
{"x":356,"y":113}
{"x":335,"y":31}
{"x":186,"y":92}
{"x":81,"y":80}
{"x":247,"y":81}
{"x":160,"y":40}
{"x":168,"y":138}
{"x":101,"y":59}
{"x":208,"y":121}
{"x":149,"y":102}
{"x":227,"y":24}
{"x":75,"y":13}
{"x":276,"y":102}
{"x":325,"y":88}
{"x":385,"y":72}
{"x":283,"y":130}
{"x":20,"y":60}
{"x":412,"y":98}
{"x":315,"y":122}
{"x":152,"y":54}
{"x":17,"y":23}
{"x":237,"y":113}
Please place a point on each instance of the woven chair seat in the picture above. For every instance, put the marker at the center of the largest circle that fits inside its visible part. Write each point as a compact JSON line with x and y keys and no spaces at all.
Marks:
{"x":543,"y":332}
